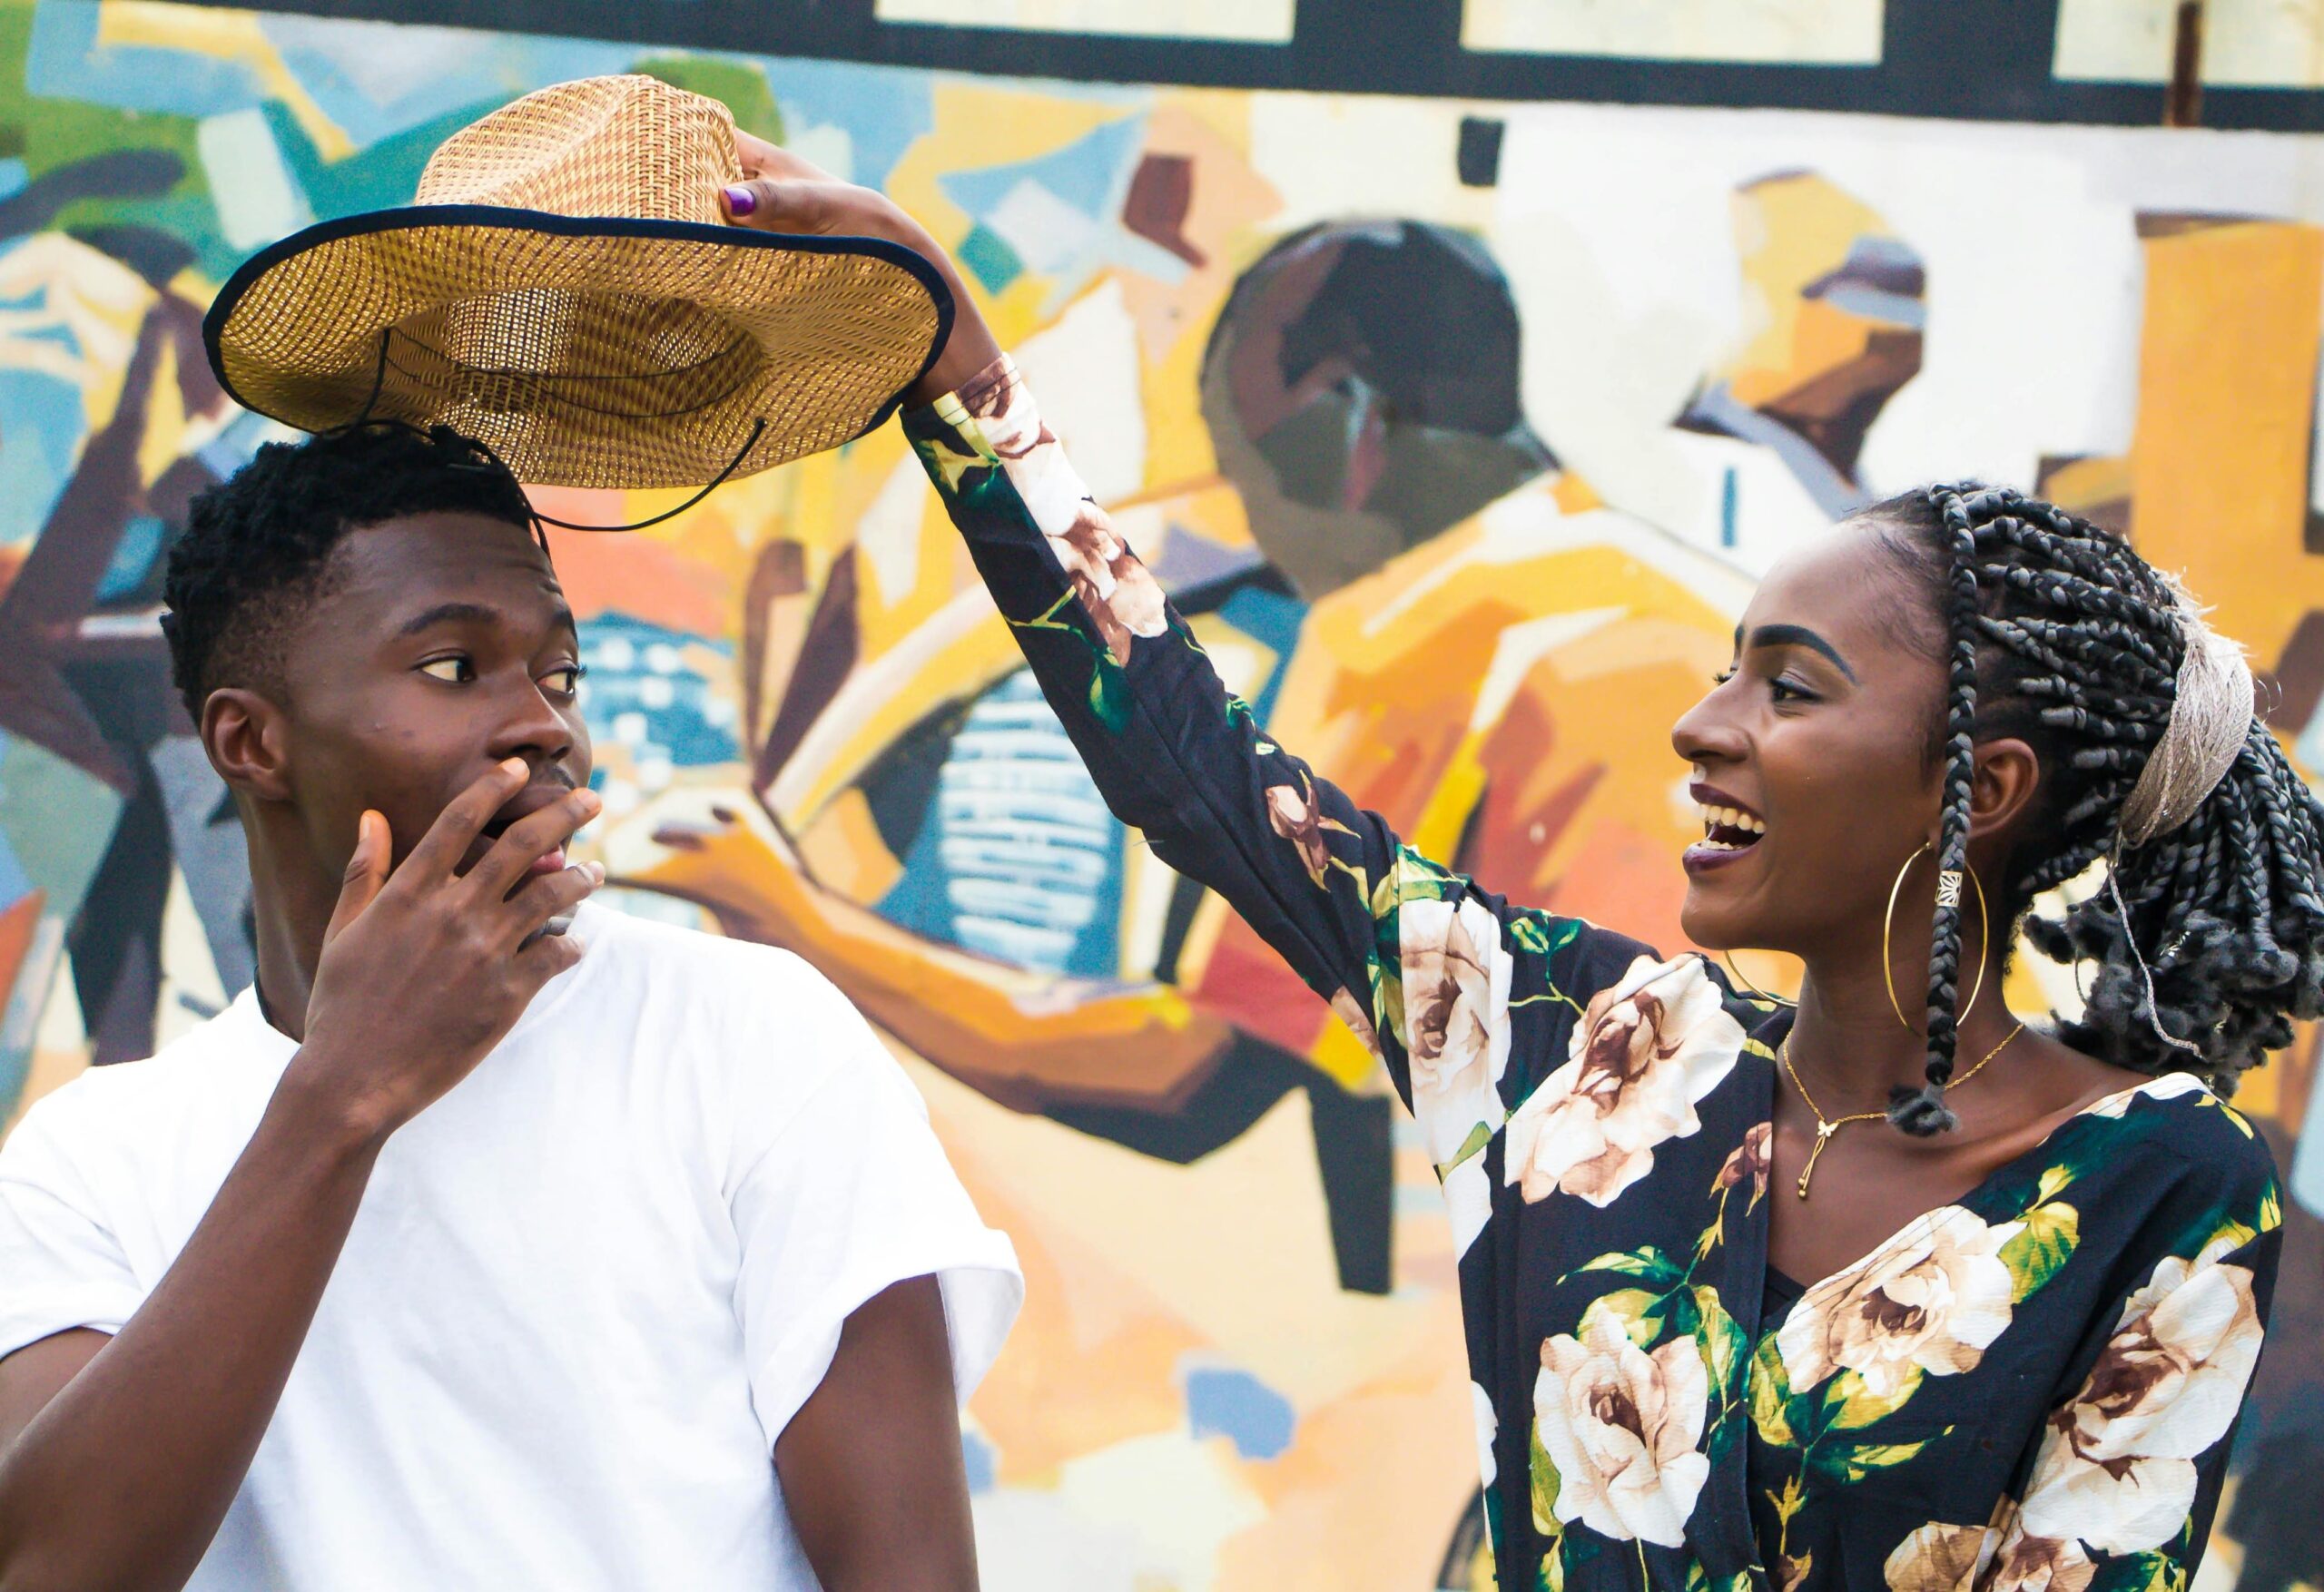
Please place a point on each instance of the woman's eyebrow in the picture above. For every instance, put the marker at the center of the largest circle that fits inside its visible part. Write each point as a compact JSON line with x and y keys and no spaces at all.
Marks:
{"x":1799,"y":635}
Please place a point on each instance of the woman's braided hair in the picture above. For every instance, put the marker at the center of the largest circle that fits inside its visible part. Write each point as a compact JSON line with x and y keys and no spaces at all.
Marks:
{"x":2210,"y":938}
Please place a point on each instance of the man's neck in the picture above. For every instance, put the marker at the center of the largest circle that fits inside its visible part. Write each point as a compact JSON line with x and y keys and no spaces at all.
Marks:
{"x":290,"y":924}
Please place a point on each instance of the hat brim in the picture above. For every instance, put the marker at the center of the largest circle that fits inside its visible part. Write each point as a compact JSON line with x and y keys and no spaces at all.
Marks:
{"x":587,"y":352}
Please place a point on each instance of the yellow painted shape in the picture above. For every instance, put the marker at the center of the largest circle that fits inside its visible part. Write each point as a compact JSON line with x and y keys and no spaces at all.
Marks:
{"x":843,"y":850}
{"x":1458,"y":789}
{"x":956,"y":672}
{"x":161,"y":442}
{"x":2089,"y":482}
{"x":1788,"y":232}
{"x":2227,"y":387}
{"x":1343,"y":1057}
{"x":228,"y":36}
{"x":973,"y":126}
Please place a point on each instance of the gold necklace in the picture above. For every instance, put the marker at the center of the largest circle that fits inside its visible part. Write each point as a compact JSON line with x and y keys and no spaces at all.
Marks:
{"x":1825,"y":1128}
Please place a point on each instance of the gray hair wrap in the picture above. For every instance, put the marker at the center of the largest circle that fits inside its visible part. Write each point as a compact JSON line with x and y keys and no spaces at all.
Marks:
{"x":2210,"y":718}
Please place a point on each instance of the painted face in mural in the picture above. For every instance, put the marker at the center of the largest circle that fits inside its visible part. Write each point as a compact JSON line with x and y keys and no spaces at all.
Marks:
{"x":1811,"y":756}
{"x":442,"y":645}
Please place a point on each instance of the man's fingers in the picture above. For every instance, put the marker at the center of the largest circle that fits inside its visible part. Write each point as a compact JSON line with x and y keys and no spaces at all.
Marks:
{"x":527,"y":840}
{"x":447,"y":840}
{"x":367,"y":874}
{"x":554,"y":895}
{"x":545,"y":956}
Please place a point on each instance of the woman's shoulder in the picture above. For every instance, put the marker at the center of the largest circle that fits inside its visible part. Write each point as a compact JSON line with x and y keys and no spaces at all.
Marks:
{"x":2175,"y":1134}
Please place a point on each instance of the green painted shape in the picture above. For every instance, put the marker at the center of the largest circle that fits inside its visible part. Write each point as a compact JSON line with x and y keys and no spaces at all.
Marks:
{"x":738,"y":86}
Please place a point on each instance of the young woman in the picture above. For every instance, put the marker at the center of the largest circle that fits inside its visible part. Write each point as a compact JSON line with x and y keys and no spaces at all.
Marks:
{"x":1889,"y":1289}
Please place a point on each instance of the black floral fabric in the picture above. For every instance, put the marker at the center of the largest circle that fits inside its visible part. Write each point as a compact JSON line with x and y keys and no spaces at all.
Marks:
{"x":2032,"y":1387}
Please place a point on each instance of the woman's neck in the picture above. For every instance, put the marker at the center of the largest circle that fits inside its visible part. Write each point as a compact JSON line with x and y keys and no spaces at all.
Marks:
{"x":1849,"y":1046}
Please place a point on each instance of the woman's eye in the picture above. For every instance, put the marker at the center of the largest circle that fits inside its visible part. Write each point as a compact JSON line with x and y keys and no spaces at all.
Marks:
{"x":1722,"y":677}
{"x":453,"y":670}
{"x":1783,"y":689}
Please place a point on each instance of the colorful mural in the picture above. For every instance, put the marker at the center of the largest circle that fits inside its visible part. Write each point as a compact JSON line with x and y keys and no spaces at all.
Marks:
{"x":1576,"y":373}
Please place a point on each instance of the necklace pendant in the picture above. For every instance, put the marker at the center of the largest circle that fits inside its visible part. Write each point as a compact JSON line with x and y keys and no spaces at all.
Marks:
{"x":1823,"y":1131}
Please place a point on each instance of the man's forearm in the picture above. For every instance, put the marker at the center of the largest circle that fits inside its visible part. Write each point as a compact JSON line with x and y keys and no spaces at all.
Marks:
{"x":121,"y":1479}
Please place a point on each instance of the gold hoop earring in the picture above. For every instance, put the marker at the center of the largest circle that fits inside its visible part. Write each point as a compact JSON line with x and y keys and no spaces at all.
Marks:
{"x":1767,"y":996}
{"x":1948,"y":893}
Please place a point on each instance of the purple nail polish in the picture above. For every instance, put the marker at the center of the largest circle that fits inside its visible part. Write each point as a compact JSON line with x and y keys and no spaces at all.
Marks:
{"x":740,"y":202}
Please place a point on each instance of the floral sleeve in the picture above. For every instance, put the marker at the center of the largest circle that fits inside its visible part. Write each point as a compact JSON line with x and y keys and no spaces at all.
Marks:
{"x":1425,"y":967}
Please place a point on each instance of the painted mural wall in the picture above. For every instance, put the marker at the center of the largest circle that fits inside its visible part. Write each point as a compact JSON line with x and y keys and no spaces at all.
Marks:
{"x":1576,"y":373}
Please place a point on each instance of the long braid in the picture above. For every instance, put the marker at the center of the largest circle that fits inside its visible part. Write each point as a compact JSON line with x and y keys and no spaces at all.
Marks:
{"x":1922,"y":1111}
{"x":2058,"y":634}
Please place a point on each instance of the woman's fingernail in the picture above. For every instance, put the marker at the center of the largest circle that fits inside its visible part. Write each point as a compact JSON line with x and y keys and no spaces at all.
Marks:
{"x":740,"y":202}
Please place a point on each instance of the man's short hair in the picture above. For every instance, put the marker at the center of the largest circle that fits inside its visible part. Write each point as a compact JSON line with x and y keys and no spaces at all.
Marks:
{"x":256,"y":550}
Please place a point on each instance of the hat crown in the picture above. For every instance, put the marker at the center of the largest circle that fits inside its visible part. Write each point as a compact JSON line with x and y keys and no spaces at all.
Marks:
{"x":628,"y":145}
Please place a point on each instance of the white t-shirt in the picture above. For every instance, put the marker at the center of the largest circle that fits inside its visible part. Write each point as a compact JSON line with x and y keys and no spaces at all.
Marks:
{"x":583,"y":1293}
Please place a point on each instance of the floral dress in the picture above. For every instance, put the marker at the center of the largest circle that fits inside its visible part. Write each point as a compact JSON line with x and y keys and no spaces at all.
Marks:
{"x":2032,"y":1387}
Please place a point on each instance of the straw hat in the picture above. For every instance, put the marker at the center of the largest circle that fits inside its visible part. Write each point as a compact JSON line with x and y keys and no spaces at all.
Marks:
{"x":566,"y":290}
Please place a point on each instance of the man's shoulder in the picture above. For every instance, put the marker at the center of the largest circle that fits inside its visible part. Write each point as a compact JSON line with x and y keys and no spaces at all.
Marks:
{"x":196,"y":1077}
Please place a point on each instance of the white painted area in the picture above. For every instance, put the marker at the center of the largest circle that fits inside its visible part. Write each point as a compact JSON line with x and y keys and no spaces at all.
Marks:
{"x":1086,"y":366}
{"x":2252,"y":43}
{"x":257,"y":199}
{"x":887,"y":533}
{"x":1824,"y":32}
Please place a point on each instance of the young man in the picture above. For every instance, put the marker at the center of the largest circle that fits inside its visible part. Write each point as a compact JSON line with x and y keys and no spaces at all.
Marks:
{"x":467,"y":1249}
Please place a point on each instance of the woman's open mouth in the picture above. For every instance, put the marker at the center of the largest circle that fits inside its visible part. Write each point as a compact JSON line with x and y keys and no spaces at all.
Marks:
{"x":1729,"y":831}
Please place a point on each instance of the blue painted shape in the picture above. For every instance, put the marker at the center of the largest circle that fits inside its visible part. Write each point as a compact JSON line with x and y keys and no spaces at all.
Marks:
{"x":987,"y":253}
{"x":1091,"y":174}
{"x":1273,"y":619}
{"x":1237,"y":1406}
{"x":982,"y":1461}
{"x":636,"y":667}
{"x":1018,"y":857}
{"x":431,"y":71}
{"x":15,"y":884}
{"x":886,"y":109}
{"x":2307,"y":1180}
{"x":13,"y":177}
{"x":133,"y":558}
{"x":1726,"y":508}
{"x":64,"y":61}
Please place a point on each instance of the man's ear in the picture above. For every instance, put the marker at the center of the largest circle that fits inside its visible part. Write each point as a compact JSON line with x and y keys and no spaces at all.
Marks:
{"x":248,"y":743}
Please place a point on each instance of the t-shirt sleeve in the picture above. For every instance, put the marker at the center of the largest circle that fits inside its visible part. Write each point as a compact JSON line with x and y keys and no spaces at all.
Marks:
{"x":61,"y":1266}
{"x":848,"y":1193}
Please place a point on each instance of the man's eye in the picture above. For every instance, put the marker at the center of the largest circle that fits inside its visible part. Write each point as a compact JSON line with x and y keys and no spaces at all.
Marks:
{"x":566,"y":681}
{"x":455,"y":671}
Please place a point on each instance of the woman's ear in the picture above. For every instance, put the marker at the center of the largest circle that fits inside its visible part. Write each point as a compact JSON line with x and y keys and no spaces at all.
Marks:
{"x":245,"y":737}
{"x":2002,"y":786}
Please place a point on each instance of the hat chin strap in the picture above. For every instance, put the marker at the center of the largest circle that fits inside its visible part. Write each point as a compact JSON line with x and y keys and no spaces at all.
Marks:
{"x":758,"y":429}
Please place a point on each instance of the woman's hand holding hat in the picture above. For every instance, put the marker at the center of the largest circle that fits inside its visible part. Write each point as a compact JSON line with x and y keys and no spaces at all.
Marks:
{"x":781,"y":192}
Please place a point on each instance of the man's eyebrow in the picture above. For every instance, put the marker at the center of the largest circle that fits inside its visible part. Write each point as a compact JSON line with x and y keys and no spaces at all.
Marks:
{"x":1798,"y":636}
{"x":458,"y":612}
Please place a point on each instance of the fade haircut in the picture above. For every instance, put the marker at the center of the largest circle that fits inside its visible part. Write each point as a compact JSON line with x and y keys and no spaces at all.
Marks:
{"x":256,"y":552}
{"x":2058,"y":634}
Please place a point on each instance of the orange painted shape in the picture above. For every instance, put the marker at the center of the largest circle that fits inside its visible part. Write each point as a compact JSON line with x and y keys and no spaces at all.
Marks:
{"x":2227,"y":389}
{"x":17,"y":924}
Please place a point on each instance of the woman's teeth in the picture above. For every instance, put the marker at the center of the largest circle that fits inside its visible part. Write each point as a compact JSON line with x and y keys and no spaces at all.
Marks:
{"x":1734,"y":821}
